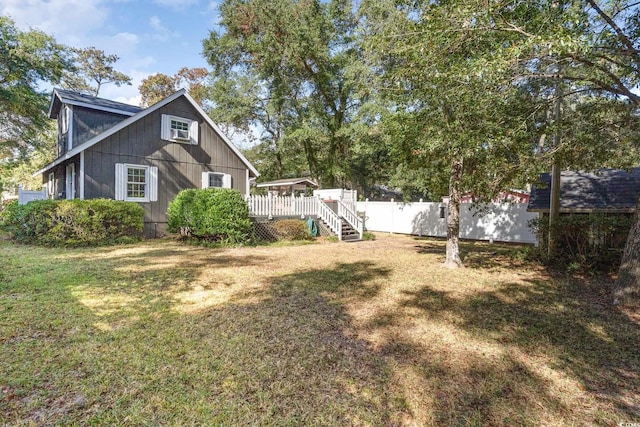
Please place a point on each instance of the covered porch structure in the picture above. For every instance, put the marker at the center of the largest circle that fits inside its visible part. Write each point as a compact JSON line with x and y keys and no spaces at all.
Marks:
{"x":289,"y":186}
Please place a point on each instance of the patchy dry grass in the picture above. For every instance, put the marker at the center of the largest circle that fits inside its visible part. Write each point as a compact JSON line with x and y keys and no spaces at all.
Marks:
{"x":367,"y":333}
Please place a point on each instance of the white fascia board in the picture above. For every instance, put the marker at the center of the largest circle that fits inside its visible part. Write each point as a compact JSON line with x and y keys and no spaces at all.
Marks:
{"x":123,"y":124}
{"x":98,"y":107}
{"x":53,"y":100}
{"x":215,"y":127}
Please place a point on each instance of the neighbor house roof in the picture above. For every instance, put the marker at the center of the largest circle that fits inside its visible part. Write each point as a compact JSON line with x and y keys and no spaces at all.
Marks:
{"x":287,"y":182}
{"x":607,"y":190}
{"x":141,"y":114}
{"x":62,"y":96}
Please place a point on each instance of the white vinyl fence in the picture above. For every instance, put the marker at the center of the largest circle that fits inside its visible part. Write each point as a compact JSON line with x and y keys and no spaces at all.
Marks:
{"x":504,"y":222}
{"x":26,"y":196}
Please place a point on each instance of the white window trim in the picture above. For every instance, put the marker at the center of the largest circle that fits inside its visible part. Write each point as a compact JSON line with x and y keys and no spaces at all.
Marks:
{"x":64,"y":121}
{"x":151,"y":183}
{"x":67,"y":128}
{"x":165,"y":132}
{"x":226,"y":179}
{"x":70,"y":181}
{"x":51,"y":185}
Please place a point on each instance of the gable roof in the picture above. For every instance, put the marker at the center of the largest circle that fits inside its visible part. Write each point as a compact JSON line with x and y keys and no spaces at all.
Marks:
{"x":141,"y":114}
{"x":287,"y":182}
{"x":607,"y":190}
{"x":62,"y":96}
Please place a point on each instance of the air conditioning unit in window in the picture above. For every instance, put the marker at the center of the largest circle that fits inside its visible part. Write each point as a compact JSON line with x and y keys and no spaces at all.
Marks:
{"x":180,"y":135}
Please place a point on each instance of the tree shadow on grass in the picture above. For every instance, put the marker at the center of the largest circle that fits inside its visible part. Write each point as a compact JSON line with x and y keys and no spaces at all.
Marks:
{"x":583,"y":338}
{"x":476,"y":254}
{"x":286,"y":358}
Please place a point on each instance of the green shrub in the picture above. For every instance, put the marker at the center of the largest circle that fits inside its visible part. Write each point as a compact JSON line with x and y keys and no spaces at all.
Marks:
{"x":584,"y":243}
{"x":6,"y":210}
{"x":291,"y":229}
{"x":75,"y":222}
{"x":367,"y":235}
{"x":218,"y":215}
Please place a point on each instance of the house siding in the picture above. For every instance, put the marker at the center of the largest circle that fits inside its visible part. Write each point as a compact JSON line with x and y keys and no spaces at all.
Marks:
{"x":88,"y":123}
{"x":62,"y":138}
{"x":60,"y":172}
{"x":180,"y":166}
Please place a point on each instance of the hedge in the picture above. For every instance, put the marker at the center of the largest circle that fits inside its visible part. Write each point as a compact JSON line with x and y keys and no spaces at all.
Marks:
{"x":218,"y":215}
{"x":93,"y":222}
{"x":585,"y":242}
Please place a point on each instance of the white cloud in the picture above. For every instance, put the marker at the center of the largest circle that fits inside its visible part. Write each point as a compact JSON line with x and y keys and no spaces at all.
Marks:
{"x":126,"y":38}
{"x":145,"y":46}
{"x":126,"y":94}
{"x":67,"y":20}
{"x":136,"y":100}
{"x":162,"y":33}
{"x":156,"y":24}
{"x":176,"y":4}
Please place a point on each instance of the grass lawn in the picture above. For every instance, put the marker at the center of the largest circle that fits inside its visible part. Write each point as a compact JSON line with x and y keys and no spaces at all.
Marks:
{"x":367,"y":333}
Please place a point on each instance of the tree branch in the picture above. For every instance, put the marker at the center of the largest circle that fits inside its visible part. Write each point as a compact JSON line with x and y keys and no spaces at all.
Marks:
{"x":624,"y":39}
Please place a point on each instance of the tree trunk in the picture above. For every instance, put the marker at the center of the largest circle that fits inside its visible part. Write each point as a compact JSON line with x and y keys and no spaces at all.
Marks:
{"x":554,"y":209}
{"x":556,"y":173}
{"x":453,"y":219}
{"x":626,"y":290}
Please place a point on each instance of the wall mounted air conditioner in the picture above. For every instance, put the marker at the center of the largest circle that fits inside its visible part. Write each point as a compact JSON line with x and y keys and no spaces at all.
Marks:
{"x":180,"y":135}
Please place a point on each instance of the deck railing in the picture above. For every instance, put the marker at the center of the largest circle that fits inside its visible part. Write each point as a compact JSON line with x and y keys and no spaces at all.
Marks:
{"x":274,"y":206}
{"x":330,"y":218}
{"x":351,"y":217}
{"x":271,"y":206}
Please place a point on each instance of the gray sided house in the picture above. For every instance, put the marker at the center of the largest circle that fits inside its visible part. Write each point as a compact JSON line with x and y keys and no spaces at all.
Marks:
{"x":610,"y":191}
{"x":112,"y":150}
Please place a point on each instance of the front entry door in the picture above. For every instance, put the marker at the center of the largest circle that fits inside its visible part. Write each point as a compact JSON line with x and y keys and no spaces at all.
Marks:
{"x":71,"y":181}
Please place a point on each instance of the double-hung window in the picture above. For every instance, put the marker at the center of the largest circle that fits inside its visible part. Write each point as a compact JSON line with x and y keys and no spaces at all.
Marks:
{"x":216,"y":180}
{"x":136,"y":183}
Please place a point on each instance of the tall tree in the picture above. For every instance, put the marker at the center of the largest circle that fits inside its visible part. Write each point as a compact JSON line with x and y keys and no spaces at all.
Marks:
{"x":27,"y":59}
{"x":432,"y":56}
{"x":155,"y":88}
{"x":93,"y":69}
{"x":158,"y":86}
{"x":460,"y":121}
{"x":299,"y":61}
{"x":593,"y":47}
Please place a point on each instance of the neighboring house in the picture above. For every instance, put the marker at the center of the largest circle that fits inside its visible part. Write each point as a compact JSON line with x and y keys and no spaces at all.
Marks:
{"x":511,"y":196}
{"x":607,"y":191}
{"x":288,"y":186}
{"x":108,"y":149}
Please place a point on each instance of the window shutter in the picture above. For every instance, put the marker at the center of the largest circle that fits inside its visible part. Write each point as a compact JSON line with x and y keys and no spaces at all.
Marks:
{"x":164,"y":132}
{"x":226,"y":181}
{"x":121,"y":181}
{"x":193,"y":132}
{"x":205,"y":179}
{"x":153,"y":184}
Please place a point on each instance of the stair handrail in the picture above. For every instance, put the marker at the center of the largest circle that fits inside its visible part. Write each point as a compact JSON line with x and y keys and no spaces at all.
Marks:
{"x":331,"y":218}
{"x":351,"y":217}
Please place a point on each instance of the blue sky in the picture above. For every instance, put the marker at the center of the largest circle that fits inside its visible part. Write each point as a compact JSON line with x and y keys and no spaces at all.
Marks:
{"x":149,"y":36}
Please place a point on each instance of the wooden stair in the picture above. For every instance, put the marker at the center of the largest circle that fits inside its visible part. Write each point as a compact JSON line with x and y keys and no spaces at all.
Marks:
{"x":349,"y":234}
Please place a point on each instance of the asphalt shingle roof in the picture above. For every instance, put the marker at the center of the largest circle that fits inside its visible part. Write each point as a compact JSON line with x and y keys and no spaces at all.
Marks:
{"x":69,"y":97}
{"x":607,"y":190}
